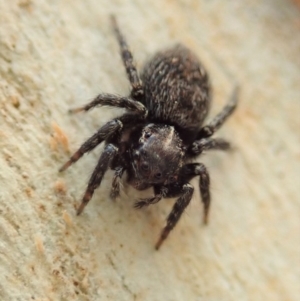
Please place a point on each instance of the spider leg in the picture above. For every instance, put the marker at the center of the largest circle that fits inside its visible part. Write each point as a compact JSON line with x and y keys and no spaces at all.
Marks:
{"x":208,"y":144}
{"x":160,"y":192}
{"x":105,"y":99}
{"x":174,"y":216}
{"x":108,"y":154}
{"x":103,"y":133}
{"x":217,"y":122}
{"x":148,"y":201}
{"x":135,"y":81}
{"x":198,"y":169}
{"x":115,"y":190}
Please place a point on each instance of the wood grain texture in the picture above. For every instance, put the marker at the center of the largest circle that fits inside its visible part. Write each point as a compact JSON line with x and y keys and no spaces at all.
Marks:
{"x":55,"y":55}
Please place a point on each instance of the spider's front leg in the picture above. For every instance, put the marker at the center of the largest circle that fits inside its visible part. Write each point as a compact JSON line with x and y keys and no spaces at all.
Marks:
{"x":104,"y":132}
{"x":178,"y":208}
{"x":107,"y":156}
{"x":150,"y":201}
{"x":116,"y":182}
{"x":139,"y":113}
{"x":198,"y":169}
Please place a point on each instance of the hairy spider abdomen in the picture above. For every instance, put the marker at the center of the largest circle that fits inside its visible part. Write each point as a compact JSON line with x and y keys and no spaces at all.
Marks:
{"x":177,"y":89}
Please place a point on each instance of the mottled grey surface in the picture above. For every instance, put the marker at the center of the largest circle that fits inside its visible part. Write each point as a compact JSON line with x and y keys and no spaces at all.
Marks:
{"x":55,"y":55}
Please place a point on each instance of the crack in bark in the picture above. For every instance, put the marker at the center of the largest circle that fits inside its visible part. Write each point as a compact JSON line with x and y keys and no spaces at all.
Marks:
{"x":125,"y":286}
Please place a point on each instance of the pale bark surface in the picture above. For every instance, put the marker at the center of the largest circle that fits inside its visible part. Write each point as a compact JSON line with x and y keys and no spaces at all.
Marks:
{"x":55,"y":55}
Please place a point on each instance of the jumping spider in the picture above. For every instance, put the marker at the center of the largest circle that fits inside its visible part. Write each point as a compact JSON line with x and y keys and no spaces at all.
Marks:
{"x":157,"y":139}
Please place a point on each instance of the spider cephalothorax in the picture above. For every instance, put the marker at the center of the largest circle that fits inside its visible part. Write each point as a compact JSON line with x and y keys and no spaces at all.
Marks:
{"x":156,"y":141}
{"x":158,"y":155}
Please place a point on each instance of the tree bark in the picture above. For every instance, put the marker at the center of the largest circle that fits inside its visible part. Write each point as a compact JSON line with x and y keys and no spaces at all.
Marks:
{"x":55,"y":55}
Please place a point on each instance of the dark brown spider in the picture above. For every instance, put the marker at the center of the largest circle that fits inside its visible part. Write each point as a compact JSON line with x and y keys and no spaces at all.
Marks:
{"x":157,"y":139}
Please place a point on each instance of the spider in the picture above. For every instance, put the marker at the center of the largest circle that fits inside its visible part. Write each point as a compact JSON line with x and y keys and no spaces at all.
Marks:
{"x":162,"y":132}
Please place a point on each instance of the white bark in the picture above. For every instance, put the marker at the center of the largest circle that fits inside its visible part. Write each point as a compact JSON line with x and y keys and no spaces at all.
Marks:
{"x":55,"y":55}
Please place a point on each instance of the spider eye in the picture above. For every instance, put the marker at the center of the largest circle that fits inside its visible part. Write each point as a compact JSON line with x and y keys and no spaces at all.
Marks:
{"x":145,"y":166}
{"x":158,"y":175}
